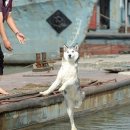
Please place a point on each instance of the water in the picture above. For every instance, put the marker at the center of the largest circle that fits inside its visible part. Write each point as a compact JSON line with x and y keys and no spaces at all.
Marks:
{"x":115,"y":119}
{"x":16,"y":69}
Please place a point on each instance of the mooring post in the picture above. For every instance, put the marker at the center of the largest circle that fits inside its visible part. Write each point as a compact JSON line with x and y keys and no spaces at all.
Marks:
{"x":61,"y":52}
{"x":43,"y":56}
{"x":38,"y":60}
{"x":44,"y":59}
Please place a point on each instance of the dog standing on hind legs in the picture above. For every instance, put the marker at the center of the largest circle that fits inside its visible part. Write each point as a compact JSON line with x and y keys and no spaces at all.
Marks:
{"x":68,"y":82}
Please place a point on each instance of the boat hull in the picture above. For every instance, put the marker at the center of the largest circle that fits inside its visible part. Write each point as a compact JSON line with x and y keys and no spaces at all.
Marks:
{"x":32,"y":19}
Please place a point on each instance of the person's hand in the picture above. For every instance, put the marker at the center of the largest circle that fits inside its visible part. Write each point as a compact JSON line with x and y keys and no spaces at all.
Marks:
{"x":7,"y":45}
{"x":20,"y":37}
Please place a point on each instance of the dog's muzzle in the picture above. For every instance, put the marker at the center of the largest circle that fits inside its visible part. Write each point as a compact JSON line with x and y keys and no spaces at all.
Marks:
{"x":69,"y":56}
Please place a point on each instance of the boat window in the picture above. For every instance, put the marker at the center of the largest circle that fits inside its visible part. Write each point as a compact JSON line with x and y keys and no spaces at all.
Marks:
{"x":104,"y":14}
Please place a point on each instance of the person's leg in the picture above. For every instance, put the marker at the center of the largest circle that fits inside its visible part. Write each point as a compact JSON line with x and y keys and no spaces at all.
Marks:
{"x":1,"y":62}
{"x":1,"y":70}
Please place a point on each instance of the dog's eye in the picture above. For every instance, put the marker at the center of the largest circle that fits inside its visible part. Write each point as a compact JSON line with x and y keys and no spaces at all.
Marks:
{"x":72,"y":51}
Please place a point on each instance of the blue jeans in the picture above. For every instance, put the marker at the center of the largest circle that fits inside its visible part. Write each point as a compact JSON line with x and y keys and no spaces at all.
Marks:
{"x":1,"y":62}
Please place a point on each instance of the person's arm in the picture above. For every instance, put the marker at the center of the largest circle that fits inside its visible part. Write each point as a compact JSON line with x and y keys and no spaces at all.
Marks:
{"x":6,"y":42}
{"x":12,"y":25}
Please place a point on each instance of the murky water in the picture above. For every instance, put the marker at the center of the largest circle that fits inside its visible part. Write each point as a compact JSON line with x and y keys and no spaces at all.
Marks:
{"x":16,"y":69}
{"x":115,"y":119}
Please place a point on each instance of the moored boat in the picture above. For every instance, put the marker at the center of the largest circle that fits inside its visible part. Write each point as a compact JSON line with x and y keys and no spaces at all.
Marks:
{"x":48,"y":25}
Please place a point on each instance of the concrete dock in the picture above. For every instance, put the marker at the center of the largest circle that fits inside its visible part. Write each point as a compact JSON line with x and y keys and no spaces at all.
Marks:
{"x":89,"y":68}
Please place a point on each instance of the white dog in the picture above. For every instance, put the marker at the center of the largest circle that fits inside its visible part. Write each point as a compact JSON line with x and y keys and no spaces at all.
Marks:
{"x":68,"y":79}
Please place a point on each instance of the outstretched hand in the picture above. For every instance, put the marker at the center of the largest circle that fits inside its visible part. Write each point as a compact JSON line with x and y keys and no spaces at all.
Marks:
{"x":7,"y":45}
{"x":20,"y":37}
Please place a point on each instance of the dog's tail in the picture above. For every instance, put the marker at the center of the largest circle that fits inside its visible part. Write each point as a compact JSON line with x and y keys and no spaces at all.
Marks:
{"x":79,"y":99}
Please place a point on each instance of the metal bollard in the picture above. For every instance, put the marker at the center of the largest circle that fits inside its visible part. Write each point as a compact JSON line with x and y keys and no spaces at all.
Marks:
{"x":44,"y":59}
{"x":43,"y":56}
{"x":61,"y":52}
{"x":38,"y":60}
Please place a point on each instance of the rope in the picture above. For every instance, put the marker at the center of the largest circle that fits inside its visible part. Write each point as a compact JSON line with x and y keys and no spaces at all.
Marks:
{"x":109,"y":19}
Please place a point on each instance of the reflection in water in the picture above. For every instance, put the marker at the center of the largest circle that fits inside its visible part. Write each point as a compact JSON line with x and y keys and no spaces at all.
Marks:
{"x":115,"y":119}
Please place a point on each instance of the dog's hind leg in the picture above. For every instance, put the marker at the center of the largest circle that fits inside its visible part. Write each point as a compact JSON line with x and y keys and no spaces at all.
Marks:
{"x":70,"y":112}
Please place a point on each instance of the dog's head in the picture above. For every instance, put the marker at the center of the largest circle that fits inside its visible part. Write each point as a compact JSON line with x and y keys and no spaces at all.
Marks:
{"x":71,"y":53}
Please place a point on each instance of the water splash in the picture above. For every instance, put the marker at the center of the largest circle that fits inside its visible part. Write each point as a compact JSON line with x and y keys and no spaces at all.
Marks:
{"x":76,"y":32}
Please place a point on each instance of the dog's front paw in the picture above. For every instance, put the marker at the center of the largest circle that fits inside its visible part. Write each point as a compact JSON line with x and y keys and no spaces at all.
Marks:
{"x":73,"y":128}
{"x":61,"y":89}
{"x":44,"y":93}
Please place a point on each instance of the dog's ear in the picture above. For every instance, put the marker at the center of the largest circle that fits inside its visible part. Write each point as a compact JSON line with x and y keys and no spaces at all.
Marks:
{"x":65,"y":48}
{"x":76,"y":47}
